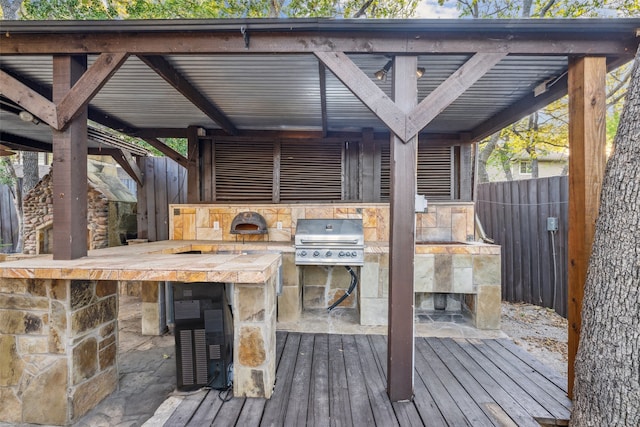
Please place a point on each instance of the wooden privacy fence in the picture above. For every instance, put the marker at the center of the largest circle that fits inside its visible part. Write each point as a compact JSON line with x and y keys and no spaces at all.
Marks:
{"x":534,"y":260}
{"x":165,"y":183}
{"x":8,"y":221}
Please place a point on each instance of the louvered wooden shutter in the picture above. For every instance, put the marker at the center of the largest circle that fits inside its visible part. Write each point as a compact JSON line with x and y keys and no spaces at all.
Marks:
{"x":244,"y":171}
{"x":310,"y":171}
{"x":434,"y":172}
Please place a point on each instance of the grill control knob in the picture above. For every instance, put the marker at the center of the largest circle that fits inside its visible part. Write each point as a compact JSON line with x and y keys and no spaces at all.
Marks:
{"x":316,"y":254}
{"x":348,"y":254}
{"x":341,"y":254}
{"x":328,"y":254}
{"x":303,"y":253}
{"x":354,"y":254}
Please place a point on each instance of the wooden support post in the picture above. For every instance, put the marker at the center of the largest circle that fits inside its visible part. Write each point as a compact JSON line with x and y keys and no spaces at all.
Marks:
{"x":402,"y":240}
{"x":193,"y":169}
{"x":69,"y":166}
{"x":367,"y":179}
{"x":587,"y":143}
{"x":466,"y":169}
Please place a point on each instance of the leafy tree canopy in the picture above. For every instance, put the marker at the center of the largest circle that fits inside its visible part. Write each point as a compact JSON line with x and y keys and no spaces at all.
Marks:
{"x":173,"y":9}
{"x":546,"y":131}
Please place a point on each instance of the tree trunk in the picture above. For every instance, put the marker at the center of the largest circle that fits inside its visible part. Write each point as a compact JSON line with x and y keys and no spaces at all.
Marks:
{"x":30,"y":175}
{"x":10,"y":8}
{"x":607,"y":369}
{"x":16,"y":195}
{"x":483,"y":157}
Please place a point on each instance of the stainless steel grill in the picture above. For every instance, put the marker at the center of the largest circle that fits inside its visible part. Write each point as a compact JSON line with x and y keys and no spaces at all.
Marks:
{"x":329,"y":242}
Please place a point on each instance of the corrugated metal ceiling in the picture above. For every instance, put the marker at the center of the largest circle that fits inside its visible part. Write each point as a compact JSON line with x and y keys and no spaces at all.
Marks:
{"x":283,"y":91}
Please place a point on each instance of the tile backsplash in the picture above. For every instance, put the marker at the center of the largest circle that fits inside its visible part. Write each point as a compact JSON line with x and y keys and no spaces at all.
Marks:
{"x":442,"y":222}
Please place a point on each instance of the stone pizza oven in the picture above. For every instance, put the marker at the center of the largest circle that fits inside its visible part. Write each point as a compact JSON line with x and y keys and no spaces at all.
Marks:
{"x":111,"y":211}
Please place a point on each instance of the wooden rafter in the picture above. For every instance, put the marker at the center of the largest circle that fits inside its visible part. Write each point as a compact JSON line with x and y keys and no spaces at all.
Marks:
{"x":168,"y":151}
{"x":519,"y":109}
{"x":531,"y":103}
{"x":28,"y":99}
{"x":88,"y":86}
{"x":124,"y":159}
{"x":22,"y":143}
{"x":172,"y":76}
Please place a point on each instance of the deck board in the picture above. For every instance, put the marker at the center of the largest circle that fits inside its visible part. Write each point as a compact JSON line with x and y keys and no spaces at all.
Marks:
{"x":358,"y":398}
{"x":276,"y":407}
{"x":528,"y":377}
{"x":340,"y":380}
{"x":296,"y":414}
{"x":339,"y":406}
{"x":498,"y":390}
{"x":407,"y":415}
{"x":318,"y":411}
{"x":376,"y":384}
{"x":209,"y":409}
{"x":469,"y":407}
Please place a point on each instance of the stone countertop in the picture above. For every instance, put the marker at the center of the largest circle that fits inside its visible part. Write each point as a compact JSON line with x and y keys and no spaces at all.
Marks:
{"x":158,"y":261}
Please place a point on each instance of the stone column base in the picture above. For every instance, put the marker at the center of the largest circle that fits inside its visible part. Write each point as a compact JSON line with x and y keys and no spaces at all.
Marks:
{"x":58,"y":348}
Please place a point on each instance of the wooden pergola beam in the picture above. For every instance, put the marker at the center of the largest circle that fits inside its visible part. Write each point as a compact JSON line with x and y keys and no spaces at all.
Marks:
{"x":172,"y":76}
{"x":88,"y":86}
{"x":587,"y":143}
{"x":226,"y":42}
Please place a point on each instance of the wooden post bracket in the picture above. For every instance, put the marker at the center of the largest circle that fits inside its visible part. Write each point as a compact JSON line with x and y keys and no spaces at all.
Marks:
{"x":406,"y":125}
{"x":58,"y":115}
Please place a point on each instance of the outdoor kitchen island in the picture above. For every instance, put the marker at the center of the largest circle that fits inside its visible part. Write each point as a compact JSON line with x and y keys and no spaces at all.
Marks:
{"x":58,"y":321}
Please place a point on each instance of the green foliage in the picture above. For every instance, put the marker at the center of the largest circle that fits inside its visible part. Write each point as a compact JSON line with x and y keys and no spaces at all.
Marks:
{"x":6,"y":177}
{"x":178,"y":144}
{"x":546,"y":131}
{"x":173,"y":9}
{"x":545,"y":8}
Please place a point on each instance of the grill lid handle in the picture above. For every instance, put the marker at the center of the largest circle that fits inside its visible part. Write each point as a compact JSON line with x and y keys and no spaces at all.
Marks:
{"x":346,"y":242}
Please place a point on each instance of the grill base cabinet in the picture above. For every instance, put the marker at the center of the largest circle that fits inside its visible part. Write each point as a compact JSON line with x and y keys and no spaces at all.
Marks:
{"x":203,"y":335}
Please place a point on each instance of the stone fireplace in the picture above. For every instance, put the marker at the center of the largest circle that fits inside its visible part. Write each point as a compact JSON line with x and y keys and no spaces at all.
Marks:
{"x":111,"y":212}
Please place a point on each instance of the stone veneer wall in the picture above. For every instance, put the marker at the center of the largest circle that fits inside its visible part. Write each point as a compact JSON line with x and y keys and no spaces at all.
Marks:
{"x":319,"y":287}
{"x":106,"y":219}
{"x":254,"y":336}
{"x":443,"y":221}
{"x":58,"y":348}
{"x":469,"y":270}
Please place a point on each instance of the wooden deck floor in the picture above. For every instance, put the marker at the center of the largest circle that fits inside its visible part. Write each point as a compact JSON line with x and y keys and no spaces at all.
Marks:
{"x":340,"y":380}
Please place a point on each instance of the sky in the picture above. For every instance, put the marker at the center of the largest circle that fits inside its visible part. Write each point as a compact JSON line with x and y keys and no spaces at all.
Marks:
{"x":431,"y":9}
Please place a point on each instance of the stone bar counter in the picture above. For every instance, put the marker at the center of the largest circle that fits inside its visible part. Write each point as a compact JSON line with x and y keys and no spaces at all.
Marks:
{"x":58,"y":321}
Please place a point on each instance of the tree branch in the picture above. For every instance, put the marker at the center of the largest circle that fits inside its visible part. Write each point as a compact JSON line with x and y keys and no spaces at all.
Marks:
{"x":363,"y":9}
{"x":546,"y":8}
